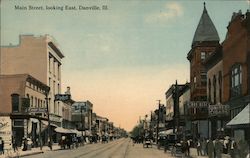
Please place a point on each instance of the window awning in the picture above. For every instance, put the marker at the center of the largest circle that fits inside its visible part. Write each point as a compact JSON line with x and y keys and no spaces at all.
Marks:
{"x":243,"y":118}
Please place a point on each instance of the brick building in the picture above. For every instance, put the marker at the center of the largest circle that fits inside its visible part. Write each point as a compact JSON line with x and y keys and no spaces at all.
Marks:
{"x":236,"y":68}
{"x":205,"y":41}
{"x":23,"y":100}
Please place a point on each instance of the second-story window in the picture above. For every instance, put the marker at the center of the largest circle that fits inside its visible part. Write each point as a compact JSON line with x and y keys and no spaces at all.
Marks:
{"x":220,"y":86}
{"x":236,"y":80}
{"x":214,"y":89}
{"x":209,"y":90}
{"x":203,"y":56}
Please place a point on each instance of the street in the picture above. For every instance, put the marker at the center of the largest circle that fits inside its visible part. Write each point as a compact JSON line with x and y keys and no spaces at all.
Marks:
{"x":122,"y":148}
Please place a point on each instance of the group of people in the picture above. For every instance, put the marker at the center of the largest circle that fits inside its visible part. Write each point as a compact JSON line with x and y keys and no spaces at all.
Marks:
{"x":215,"y":148}
{"x":70,"y":142}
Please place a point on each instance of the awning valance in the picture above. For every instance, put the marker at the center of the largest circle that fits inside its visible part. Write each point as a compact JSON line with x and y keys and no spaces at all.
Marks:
{"x":167,"y":132}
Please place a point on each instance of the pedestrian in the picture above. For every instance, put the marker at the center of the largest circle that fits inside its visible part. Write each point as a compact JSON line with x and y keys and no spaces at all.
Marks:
{"x":184,"y":147}
{"x":210,"y":148}
{"x":233,"y":148}
{"x":14,"y":144}
{"x":188,"y":146}
{"x":1,"y":146}
{"x":198,"y":147}
{"x":25,"y":144}
{"x":204,"y":147}
{"x":218,"y":147}
{"x":243,"y":148}
{"x":225,"y":145}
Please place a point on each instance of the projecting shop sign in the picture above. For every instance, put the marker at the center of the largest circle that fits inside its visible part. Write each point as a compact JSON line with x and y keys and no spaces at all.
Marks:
{"x":197,"y":104}
{"x":62,"y":97}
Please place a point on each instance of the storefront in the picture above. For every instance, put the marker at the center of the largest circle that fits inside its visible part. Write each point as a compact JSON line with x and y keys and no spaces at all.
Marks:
{"x":218,"y":116}
{"x":240,"y":125}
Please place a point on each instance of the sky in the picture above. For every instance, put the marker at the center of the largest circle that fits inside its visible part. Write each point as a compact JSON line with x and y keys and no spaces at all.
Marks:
{"x":123,"y":58}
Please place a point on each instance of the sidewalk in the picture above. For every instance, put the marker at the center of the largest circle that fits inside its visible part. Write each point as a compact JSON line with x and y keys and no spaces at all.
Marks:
{"x":33,"y":151}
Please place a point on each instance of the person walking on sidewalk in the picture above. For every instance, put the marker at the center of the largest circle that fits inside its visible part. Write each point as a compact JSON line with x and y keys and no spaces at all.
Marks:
{"x":233,"y":148}
{"x":198,"y":146}
{"x":1,"y":146}
{"x":210,"y":148}
{"x":14,"y":144}
{"x":204,"y":147}
{"x":188,"y":147}
{"x":218,"y":147}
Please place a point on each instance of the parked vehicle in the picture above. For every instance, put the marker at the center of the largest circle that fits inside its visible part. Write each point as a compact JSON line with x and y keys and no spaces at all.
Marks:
{"x":147,"y":142}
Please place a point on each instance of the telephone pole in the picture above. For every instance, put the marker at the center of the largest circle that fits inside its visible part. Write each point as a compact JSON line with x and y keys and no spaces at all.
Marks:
{"x":158,"y":120}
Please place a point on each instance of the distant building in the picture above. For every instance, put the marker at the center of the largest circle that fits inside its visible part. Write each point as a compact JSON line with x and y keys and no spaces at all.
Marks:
{"x":205,"y":41}
{"x":82,"y":115}
{"x":177,"y":114}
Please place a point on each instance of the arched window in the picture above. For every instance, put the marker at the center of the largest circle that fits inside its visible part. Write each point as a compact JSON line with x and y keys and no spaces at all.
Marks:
{"x":209,"y":90}
{"x":220,"y":86}
{"x":214,"y":89}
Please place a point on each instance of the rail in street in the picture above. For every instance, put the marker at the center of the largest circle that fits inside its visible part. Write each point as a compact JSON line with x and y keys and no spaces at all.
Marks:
{"x":122,"y":148}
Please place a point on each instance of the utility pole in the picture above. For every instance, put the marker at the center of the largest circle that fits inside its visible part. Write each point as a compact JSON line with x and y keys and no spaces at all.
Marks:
{"x":49,"y":129}
{"x":176,"y":107}
{"x":158,"y":120}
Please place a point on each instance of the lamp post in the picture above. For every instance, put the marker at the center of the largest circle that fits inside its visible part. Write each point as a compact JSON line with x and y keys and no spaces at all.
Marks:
{"x":49,"y":129}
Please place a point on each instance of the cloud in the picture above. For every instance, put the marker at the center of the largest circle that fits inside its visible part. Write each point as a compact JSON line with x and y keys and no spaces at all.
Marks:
{"x":171,"y":11}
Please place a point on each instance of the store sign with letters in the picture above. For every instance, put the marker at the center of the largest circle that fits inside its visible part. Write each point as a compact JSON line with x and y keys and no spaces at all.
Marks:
{"x":218,"y":109}
{"x":197,"y":104}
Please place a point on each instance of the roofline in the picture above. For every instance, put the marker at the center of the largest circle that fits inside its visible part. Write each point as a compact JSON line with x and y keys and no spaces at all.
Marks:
{"x":54,"y":47}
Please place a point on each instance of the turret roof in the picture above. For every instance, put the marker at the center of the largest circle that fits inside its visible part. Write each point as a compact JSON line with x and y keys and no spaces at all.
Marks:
{"x":205,"y":30}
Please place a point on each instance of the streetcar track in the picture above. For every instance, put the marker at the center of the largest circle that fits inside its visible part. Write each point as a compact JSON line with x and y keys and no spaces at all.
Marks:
{"x":110,"y":145}
{"x":113,"y":153}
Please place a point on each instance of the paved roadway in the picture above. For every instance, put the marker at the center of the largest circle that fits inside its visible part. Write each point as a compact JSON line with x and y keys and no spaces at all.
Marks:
{"x":122,"y":148}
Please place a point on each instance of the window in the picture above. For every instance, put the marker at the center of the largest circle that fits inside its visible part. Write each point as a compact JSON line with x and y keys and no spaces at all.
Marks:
{"x":31,"y":101}
{"x":209,"y":90}
{"x":49,"y":81}
{"x":203,"y":79}
{"x":15,"y":102}
{"x":54,"y":87}
{"x":214,"y":89}
{"x":50,"y":63}
{"x":236,"y":80}
{"x":35,"y":102}
{"x":220,"y":86}
{"x":203,"y":55}
{"x":58,"y":88}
